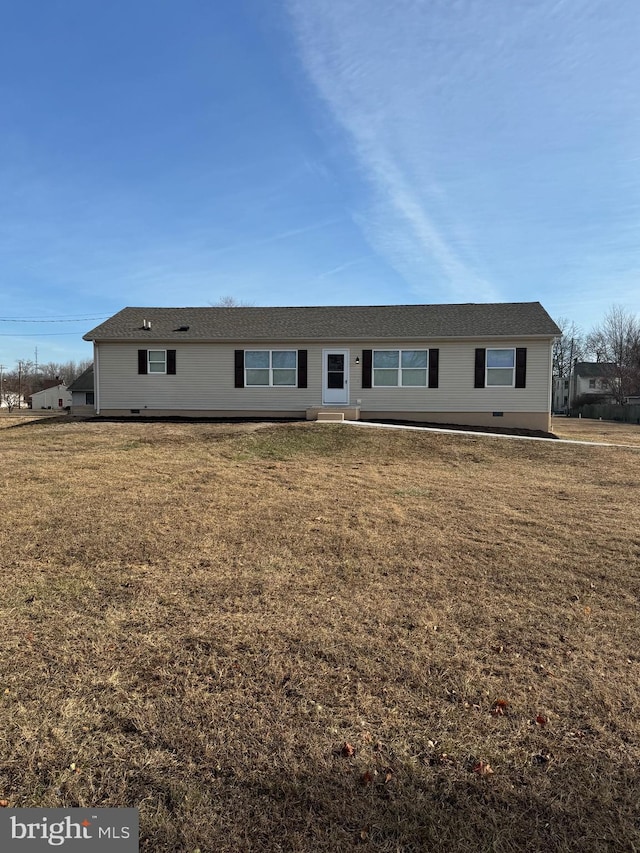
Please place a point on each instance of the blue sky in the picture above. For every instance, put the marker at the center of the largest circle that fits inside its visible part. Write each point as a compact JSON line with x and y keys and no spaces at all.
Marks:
{"x":310,"y":152}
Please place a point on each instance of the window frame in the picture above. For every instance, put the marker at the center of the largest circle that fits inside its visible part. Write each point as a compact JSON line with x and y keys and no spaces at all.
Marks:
{"x":149,"y":362}
{"x":487,"y":368}
{"x":399,"y":369}
{"x":271,"y":368}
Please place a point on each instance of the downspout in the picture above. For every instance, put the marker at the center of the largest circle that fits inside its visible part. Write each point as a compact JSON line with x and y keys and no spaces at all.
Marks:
{"x":96,"y":376}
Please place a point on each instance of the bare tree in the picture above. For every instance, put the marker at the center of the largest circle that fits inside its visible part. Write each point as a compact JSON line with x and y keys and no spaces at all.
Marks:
{"x":616,"y":343}
{"x":25,"y":380}
{"x":230,"y":302}
{"x":568,"y":347}
{"x":10,"y":399}
{"x":65,"y":371}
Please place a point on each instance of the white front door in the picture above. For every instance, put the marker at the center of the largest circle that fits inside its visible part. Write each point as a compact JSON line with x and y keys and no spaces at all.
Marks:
{"x":335,"y":376}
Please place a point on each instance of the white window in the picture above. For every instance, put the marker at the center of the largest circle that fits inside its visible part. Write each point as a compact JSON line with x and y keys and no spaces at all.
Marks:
{"x":501,"y":367}
{"x":592,"y":383}
{"x":393,"y":368}
{"x":271,"y":367}
{"x":157,"y":360}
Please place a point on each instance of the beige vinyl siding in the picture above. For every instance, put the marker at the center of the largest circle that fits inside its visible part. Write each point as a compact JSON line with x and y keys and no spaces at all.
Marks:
{"x":456,"y":380}
{"x":204,"y":380}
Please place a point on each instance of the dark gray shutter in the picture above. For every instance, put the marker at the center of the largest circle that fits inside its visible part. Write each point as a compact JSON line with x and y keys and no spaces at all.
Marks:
{"x":521,"y":367}
{"x":142,"y":361}
{"x":171,"y":361}
{"x":434,"y":358}
{"x":479,"y":374}
{"x":367,"y":361}
{"x":239,"y":368}
{"x":302,"y":368}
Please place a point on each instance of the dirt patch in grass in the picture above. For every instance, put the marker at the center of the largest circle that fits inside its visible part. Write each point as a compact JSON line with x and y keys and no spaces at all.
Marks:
{"x":309,"y":637}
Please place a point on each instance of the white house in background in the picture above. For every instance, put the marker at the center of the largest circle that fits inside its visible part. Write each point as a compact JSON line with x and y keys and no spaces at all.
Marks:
{"x":82,"y":393}
{"x":587,"y":378}
{"x":471,"y":364}
{"x":55,"y":395}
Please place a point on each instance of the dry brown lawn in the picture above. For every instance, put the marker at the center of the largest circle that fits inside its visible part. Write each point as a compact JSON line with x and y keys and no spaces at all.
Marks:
{"x":302,"y":637}
{"x":585,"y":429}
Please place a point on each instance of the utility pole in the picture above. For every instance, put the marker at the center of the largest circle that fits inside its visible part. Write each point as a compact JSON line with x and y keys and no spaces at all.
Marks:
{"x":19,"y":383}
{"x":2,"y":369}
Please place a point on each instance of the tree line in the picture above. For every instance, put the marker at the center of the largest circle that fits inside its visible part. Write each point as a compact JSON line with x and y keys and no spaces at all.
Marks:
{"x":27,"y":377}
{"x":614,"y":343}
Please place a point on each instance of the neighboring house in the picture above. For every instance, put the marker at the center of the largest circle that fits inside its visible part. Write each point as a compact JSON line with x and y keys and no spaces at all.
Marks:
{"x":560,"y":400}
{"x":471,"y":364}
{"x":82,"y":393}
{"x":590,"y":378}
{"x":55,"y":395}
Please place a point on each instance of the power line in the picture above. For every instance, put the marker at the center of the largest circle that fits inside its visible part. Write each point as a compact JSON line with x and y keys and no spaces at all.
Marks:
{"x":41,"y":335}
{"x":50,"y":320}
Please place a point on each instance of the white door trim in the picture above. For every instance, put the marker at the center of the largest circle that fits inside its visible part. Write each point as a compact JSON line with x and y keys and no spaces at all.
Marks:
{"x":335,"y":396}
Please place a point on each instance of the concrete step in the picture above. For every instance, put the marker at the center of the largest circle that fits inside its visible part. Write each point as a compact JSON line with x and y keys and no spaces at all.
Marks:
{"x":330,"y":417}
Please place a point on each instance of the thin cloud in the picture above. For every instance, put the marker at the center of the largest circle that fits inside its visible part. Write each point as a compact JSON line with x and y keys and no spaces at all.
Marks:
{"x":341,"y":267}
{"x":369,"y":63}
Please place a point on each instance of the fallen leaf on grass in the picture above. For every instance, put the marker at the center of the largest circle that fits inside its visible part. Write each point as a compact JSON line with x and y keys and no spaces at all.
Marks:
{"x":541,"y":721}
{"x":367,"y":777}
{"x":483,"y":768}
{"x":347,"y":750}
{"x":4,"y":804}
{"x":443,"y":758}
{"x":500,"y":708}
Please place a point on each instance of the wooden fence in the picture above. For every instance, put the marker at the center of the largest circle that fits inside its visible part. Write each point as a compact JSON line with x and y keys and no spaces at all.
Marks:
{"x":629,"y":414}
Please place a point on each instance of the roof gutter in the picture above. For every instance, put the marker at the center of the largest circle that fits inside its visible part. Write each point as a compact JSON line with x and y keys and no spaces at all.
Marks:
{"x":160,"y":337}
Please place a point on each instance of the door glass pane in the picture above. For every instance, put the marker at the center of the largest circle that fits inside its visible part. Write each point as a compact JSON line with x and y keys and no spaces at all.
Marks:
{"x":335,"y":361}
{"x":335,"y":379}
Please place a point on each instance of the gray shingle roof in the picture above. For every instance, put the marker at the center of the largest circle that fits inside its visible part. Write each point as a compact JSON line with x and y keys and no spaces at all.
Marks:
{"x":84,"y":382}
{"x":368,"y":322}
{"x":593,"y":368}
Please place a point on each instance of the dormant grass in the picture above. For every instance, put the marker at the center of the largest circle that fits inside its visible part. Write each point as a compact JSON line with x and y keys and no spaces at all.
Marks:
{"x":308,"y":637}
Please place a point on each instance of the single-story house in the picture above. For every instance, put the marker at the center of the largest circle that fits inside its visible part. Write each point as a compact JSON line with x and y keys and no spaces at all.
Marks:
{"x":469,"y":364}
{"x":54,"y":395}
{"x":82,"y":393}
